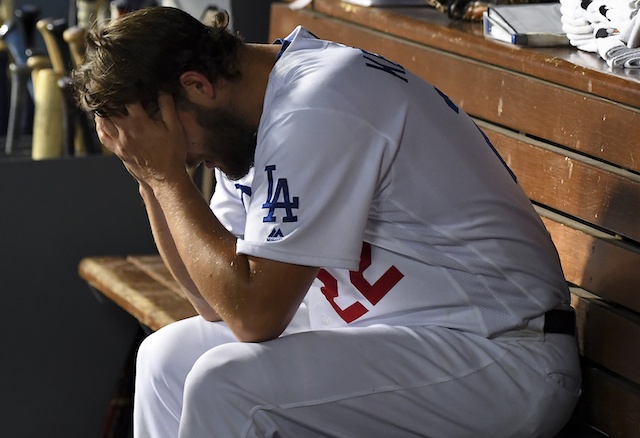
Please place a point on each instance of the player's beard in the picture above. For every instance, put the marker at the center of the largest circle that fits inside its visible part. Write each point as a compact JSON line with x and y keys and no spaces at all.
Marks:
{"x":229,"y":139}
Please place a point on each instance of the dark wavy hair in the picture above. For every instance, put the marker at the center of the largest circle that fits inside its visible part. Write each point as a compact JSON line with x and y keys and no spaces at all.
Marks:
{"x":143,"y":52}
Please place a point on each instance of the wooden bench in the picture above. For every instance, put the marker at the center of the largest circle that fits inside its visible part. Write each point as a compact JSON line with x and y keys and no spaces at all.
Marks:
{"x":570,"y":130}
{"x":141,"y":285}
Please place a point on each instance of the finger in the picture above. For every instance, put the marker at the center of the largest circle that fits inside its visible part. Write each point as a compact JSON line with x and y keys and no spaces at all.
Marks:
{"x":105,"y":129}
{"x":110,"y":135}
{"x":135,"y":109}
{"x":167,"y":107}
{"x":107,"y":125}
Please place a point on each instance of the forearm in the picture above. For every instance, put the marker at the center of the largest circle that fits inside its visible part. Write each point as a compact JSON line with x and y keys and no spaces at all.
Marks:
{"x":205,"y":247}
{"x":169,"y":253}
{"x":199,"y":249}
{"x":253,"y":296}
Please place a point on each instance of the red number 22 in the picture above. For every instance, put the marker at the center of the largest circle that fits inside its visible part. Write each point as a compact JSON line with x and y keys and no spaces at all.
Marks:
{"x":372,"y":292}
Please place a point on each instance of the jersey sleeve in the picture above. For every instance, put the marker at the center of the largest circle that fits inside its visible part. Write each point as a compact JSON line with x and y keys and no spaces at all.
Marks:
{"x":316,"y":172}
{"x":228,"y":201}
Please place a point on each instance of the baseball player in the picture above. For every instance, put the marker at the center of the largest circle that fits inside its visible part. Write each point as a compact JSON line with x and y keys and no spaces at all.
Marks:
{"x":374,"y":268}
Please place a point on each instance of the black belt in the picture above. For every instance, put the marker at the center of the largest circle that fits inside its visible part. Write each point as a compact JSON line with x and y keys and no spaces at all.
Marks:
{"x":560,"y":321}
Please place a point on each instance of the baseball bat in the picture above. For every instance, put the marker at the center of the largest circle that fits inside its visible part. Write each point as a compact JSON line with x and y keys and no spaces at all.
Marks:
{"x":86,"y":139}
{"x":74,"y":36}
{"x":6,"y":10}
{"x":61,"y":59}
{"x":47,"y":120}
{"x":86,"y":12}
{"x":58,"y":50}
{"x":35,"y":64}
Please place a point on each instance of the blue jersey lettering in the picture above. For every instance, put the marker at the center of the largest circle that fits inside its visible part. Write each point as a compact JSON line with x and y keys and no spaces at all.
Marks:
{"x":378,"y":62}
{"x":273,"y":198}
{"x":244,"y":191}
{"x":449,"y":102}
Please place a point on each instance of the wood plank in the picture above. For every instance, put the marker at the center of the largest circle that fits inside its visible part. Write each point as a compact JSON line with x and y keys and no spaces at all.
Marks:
{"x":608,"y":335}
{"x":153,"y":304}
{"x":610,"y":404}
{"x":596,"y":262}
{"x":154,"y":267}
{"x":584,"y":188}
{"x":495,"y":94}
{"x":566,"y":66}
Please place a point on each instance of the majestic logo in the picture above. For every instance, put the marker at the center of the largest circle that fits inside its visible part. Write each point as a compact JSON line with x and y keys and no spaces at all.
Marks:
{"x":279,"y":199}
{"x":275,"y":235}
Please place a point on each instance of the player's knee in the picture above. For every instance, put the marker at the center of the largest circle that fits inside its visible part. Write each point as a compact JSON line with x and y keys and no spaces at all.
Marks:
{"x":156,"y":352}
{"x":219,"y":391}
{"x":226,"y":369}
{"x":148,"y":362}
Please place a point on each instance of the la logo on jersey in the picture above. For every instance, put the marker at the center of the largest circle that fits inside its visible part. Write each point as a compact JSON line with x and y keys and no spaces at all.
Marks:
{"x":278,"y":197}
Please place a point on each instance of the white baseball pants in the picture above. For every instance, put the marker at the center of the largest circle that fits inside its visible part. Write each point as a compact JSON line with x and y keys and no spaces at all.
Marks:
{"x":194,"y":380}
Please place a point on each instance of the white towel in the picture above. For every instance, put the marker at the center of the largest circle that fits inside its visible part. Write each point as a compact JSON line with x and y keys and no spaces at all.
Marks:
{"x":614,"y":51}
{"x":610,"y":28}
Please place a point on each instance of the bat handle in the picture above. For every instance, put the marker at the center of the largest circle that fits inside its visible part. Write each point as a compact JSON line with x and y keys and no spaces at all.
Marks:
{"x":74,"y":36}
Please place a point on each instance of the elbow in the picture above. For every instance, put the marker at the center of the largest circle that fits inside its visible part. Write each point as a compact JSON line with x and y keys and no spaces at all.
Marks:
{"x":205,"y":311}
{"x":250,"y":338}
{"x":244,"y":332}
{"x":210,"y":317}
{"x":259,"y":321}
{"x":257,"y":331}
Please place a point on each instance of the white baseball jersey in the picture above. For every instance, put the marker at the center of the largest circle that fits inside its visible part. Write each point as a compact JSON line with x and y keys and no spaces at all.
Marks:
{"x":375,"y":176}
